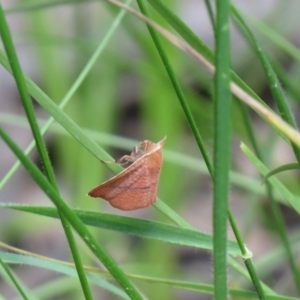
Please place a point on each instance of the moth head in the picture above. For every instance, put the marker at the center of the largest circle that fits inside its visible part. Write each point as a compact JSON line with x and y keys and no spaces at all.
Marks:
{"x":147,"y":146}
{"x":144,"y":147}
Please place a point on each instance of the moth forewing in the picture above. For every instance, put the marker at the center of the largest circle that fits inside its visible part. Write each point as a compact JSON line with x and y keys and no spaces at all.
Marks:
{"x":136,"y":186}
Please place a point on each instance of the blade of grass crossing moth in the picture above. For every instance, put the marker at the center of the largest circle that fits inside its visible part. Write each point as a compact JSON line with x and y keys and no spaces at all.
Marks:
{"x":86,"y":236}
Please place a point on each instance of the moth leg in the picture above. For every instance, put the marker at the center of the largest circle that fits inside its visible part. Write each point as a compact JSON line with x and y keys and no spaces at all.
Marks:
{"x":125,"y":160}
{"x":134,"y":151}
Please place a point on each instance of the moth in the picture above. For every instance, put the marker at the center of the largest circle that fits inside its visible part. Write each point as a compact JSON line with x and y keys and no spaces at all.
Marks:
{"x":136,"y":186}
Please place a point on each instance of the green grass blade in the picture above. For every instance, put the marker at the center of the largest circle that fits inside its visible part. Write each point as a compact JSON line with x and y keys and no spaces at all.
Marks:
{"x":86,"y":236}
{"x":286,"y":167}
{"x":32,"y":6}
{"x":96,"y":279}
{"x":193,"y":40}
{"x":138,"y":227}
{"x":63,"y":119}
{"x":28,"y":106}
{"x":286,"y":114}
{"x":277,"y":214}
{"x":275,"y":37}
{"x":289,"y":83}
{"x":209,"y":289}
{"x":177,"y":88}
{"x":26,"y":101}
{"x":252,"y":270}
{"x":211,"y":14}
{"x":60,"y":267}
{"x":191,"y":163}
{"x":222,"y":115}
{"x":291,"y":199}
{"x":66,"y":99}
{"x":236,"y":266}
{"x":76,"y":257}
{"x":73,"y":88}
{"x":189,"y":36}
{"x":248,"y":97}
{"x":60,"y":287}
{"x":273,"y":81}
{"x":14,"y":280}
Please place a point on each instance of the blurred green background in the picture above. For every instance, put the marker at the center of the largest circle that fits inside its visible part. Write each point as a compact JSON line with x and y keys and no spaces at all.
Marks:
{"x":126,"y":98}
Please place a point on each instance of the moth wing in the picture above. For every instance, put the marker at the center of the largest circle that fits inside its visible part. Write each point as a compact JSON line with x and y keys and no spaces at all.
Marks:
{"x":154,"y":186}
{"x":131,"y":189}
{"x":155,"y":164}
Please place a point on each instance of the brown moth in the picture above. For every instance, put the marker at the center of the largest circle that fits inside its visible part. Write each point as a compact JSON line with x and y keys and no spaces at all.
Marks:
{"x":136,"y":186}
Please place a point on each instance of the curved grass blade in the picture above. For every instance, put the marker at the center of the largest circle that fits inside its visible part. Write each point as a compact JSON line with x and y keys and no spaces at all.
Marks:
{"x":286,"y":167}
{"x":291,"y":199}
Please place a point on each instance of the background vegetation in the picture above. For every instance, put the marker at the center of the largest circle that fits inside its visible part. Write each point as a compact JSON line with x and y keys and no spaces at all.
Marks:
{"x":102,"y":81}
